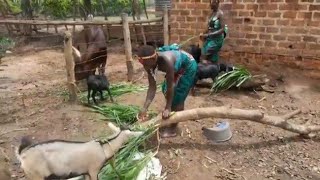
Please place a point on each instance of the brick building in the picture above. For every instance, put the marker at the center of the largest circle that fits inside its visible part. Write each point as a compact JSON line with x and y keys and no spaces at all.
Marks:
{"x":260,"y":31}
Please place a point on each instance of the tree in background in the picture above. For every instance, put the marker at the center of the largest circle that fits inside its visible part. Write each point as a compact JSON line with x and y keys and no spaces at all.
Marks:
{"x":62,"y":9}
{"x":27,"y":14}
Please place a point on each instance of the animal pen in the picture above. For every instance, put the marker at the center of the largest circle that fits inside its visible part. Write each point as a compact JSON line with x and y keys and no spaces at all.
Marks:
{"x":136,"y":30}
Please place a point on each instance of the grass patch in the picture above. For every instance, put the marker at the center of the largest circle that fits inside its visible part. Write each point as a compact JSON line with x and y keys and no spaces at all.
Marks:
{"x":117,"y":90}
{"x":5,"y":44}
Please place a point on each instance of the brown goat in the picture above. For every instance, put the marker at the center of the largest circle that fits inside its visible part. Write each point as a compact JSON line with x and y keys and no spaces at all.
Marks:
{"x":95,"y":56}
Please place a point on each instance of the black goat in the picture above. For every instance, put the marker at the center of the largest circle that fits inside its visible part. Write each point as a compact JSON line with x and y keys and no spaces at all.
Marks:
{"x":205,"y":71}
{"x":98,"y":83}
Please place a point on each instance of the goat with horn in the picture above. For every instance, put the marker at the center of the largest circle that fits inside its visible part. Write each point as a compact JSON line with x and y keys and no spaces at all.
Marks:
{"x":60,"y":159}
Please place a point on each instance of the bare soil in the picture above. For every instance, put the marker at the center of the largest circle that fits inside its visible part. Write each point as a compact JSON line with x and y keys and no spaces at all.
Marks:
{"x":33,"y":96}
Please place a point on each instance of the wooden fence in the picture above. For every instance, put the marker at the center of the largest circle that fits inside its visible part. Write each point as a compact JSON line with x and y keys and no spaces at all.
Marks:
{"x":70,"y":63}
{"x":131,"y":30}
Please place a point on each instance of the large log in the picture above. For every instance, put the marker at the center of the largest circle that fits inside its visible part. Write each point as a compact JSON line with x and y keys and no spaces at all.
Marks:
{"x":239,"y":114}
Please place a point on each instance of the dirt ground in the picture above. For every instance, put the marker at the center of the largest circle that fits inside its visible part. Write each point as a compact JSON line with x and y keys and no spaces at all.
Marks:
{"x":33,"y":102}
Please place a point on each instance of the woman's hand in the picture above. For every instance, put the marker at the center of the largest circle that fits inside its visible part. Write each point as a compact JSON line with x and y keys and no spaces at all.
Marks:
{"x":203,"y":36}
{"x":166,"y":114}
{"x":142,"y":116}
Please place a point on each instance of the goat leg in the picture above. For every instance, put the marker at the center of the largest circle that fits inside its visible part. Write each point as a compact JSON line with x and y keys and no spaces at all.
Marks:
{"x":89,"y":91}
{"x":108,"y":89}
{"x":94,"y":96}
{"x":87,"y":177}
{"x":101,"y":95}
{"x":93,"y":175}
{"x":193,"y":89}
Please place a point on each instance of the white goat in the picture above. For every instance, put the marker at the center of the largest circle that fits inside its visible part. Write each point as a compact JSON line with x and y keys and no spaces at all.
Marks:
{"x":56,"y":159}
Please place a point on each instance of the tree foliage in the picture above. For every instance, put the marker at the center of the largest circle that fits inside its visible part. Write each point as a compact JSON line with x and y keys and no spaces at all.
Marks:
{"x":64,"y":8}
{"x":57,"y":8}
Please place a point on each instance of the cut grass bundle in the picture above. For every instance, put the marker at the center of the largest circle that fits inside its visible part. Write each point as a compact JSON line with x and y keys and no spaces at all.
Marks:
{"x":120,"y":114}
{"x":5,"y":43}
{"x":230,"y":79}
{"x":124,"y":166}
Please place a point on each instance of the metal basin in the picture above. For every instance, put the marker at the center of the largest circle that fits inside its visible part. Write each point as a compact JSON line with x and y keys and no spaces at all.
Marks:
{"x":219,"y":133}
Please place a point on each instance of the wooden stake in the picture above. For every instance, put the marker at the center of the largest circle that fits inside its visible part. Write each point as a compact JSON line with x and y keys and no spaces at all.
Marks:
{"x":108,"y":33}
{"x":166,"y":26}
{"x":143,"y":35}
{"x":70,"y":67}
{"x":135,"y":34}
{"x":127,"y":46}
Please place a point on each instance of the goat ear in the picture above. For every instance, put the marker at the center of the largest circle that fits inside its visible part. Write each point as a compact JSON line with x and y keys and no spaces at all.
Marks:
{"x":136,"y":134}
{"x":133,"y":133}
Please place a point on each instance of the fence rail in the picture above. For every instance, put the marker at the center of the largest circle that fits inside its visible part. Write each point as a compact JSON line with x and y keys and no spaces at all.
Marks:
{"x":42,"y":22}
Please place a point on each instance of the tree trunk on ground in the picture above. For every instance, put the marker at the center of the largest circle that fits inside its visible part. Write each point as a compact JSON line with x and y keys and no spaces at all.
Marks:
{"x":240,"y":114}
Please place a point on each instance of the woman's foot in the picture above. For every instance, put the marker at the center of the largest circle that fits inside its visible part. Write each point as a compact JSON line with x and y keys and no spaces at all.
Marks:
{"x":167,"y":132}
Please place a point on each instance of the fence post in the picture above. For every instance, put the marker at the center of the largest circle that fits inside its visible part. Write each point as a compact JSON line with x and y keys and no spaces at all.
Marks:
{"x":144,"y":39}
{"x":70,"y":67}
{"x":166,"y":26}
{"x":127,"y":45}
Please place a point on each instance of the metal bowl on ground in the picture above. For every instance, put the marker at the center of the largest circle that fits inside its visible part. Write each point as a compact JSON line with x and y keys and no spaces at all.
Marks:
{"x":221,"y":132}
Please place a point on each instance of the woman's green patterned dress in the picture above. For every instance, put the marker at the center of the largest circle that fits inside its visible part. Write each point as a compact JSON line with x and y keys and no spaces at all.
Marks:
{"x":212,"y":45}
{"x":185,"y":68}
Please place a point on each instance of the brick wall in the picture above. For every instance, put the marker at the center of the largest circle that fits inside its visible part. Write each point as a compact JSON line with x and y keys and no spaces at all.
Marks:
{"x":261,"y":31}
